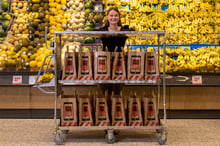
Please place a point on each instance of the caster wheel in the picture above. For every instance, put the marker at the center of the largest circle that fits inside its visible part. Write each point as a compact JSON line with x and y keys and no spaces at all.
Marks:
{"x":162,"y":139}
{"x":58,"y":138}
{"x":65,"y":131}
{"x":110,"y":138}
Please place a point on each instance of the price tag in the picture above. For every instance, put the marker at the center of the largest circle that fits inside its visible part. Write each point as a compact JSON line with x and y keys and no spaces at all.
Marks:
{"x":197,"y":80}
{"x":32,"y":80}
{"x":17,"y":80}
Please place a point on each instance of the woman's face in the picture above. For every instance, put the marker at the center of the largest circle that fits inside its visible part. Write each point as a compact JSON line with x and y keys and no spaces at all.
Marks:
{"x":113,"y":17}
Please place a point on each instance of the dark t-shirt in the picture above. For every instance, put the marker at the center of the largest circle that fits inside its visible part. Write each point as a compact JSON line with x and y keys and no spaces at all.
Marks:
{"x":112,"y":42}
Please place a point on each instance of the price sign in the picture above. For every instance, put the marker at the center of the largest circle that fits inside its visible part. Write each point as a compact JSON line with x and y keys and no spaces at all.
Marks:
{"x":32,"y":80}
{"x":197,"y":80}
{"x":17,"y":80}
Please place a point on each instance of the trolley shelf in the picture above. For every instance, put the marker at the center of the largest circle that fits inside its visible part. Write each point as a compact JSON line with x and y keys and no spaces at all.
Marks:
{"x":94,"y":82}
{"x":109,"y":127}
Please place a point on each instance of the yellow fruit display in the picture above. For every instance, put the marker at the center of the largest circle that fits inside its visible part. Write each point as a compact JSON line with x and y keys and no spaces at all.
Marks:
{"x":46,"y":78}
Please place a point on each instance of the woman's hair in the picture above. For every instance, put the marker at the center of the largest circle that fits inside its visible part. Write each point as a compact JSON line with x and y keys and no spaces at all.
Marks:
{"x":106,"y":23}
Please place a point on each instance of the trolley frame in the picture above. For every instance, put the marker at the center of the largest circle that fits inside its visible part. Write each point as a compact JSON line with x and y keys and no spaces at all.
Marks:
{"x":110,"y":130}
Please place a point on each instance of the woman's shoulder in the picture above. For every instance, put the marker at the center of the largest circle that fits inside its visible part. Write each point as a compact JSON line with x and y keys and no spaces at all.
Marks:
{"x":126,"y":28}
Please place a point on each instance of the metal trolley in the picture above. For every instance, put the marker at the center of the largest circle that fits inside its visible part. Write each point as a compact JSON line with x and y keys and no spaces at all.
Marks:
{"x":56,"y":82}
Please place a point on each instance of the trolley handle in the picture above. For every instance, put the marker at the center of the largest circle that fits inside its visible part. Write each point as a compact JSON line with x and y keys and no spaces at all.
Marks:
{"x":38,"y":76}
{"x":46,"y":40}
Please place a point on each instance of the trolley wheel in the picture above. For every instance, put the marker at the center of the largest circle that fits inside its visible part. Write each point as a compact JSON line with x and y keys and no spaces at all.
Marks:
{"x":162,"y":139}
{"x":58,"y":138}
{"x":110,"y":137}
{"x":65,"y":131}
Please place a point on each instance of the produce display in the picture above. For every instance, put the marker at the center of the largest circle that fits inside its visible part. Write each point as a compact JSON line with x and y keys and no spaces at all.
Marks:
{"x":5,"y":17}
{"x":186,"y":59}
{"x":23,"y":26}
{"x":193,"y":22}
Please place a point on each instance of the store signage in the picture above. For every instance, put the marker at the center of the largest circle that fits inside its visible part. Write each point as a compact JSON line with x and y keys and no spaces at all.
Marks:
{"x":197,"y":80}
{"x":17,"y":80}
{"x":32,"y":80}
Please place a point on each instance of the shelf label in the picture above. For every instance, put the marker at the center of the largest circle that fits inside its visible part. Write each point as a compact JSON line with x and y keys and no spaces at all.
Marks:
{"x":32,"y":80}
{"x":197,"y":80}
{"x":17,"y":80}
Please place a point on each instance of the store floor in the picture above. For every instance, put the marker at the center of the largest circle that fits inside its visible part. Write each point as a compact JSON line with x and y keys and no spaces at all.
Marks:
{"x":37,"y":132}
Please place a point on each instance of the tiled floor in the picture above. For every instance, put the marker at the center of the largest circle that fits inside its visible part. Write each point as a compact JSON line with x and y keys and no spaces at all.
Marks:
{"x":37,"y":132}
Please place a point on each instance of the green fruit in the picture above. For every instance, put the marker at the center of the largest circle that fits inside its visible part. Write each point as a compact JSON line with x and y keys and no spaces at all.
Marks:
{"x":35,"y":8}
{"x":87,"y":11}
{"x":41,"y":27}
{"x":31,"y":30}
{"x":4,"y":6}
{"x":5,"y":25}
{"x":25,"y":42}
{"x":41,"y":15}
{"x":31,"y":37}
{"x":34,"y":24}
{"x":17,"y":48}
{"x":88,"y":28}
{"x":89,"y":40}
{"x":2,"y":33}
{"x":89,"y":24}
{"x":89,"y":4}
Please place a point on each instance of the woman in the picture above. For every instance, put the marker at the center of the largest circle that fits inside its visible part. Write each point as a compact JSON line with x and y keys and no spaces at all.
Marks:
{"x":113,"y":23}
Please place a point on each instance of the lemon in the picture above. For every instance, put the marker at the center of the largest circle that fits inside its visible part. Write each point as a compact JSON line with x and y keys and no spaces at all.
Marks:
{"x":58,"y":7}
{"x":33,"y":64}
{"x":58,"y":25}
{"x":52,"y":5}
{"x":63,"y":2}
{"x":69,"y":15}
{"x":25,"y":4}
{"x":58,"y":1}
{"x":39,"y":64}
{"x":14,"y":4}
{"x":1,"y":58}
{"x":24,"y":56}
{"x":64,"y":21}
{"x":14,"y":8}
{"x":20,"y":4}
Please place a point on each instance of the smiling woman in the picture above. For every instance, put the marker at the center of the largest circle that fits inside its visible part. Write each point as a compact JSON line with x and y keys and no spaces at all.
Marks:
{"x":113,"y":23}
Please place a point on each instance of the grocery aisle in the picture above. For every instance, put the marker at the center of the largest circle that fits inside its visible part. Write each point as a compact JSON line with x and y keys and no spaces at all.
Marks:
{"x":37,"y":132}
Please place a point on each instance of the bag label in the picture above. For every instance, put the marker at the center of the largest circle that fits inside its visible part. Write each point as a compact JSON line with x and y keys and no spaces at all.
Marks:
{"x":135,"y":64}
{"x":102,"y":111}
{"x":85,"y":112}
{"x":68,"y":111}
{"x":118,"y":111}
{"x":151,"y":67}
{"x":134,"y":111}
{"x":85,"y":65}
{"x":119,"y":70}
{"x":102,"y":64}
